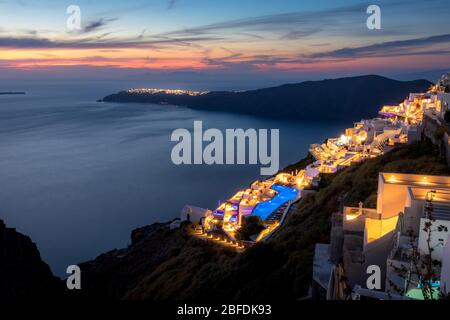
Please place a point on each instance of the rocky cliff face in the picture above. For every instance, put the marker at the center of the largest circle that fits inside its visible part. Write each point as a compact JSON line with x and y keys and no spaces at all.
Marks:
{"x":343,"y":99}
{"x":113,"y":274}
{"x":22,"y":271}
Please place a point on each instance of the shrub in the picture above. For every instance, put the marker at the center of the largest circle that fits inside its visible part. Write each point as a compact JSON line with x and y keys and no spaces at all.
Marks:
{"x":250,"y":226}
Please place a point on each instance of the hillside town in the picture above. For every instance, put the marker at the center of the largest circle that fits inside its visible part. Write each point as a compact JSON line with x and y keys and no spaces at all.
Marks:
{"x":177,"y":92}
{"x":401,"y":249}
{"x":361,"y":237}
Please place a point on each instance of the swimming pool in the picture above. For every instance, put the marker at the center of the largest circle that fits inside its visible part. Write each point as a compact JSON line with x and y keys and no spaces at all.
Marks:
{"x":284,"y":194}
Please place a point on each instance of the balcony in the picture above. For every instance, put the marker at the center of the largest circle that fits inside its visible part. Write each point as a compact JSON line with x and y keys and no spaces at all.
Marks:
{"x":354,"y":218}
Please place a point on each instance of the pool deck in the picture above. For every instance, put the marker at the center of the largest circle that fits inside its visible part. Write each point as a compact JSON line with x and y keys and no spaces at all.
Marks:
{"x":284,"y":195}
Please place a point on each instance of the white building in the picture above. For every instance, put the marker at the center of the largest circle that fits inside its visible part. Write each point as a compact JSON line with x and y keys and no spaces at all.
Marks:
{"x":442,"y":103}
{"x":192,"y":213}
{"x":387,"y":236}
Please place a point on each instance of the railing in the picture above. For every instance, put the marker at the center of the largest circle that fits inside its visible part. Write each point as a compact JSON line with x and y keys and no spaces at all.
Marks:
{"x":401,"y":254}
{"x":366,"y":212}
{"x":438,"y":210}
{"x":394,"y":246}
{"x":290,"y":203}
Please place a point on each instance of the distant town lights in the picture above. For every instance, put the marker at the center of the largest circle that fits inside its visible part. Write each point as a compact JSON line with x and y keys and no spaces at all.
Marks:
{"x":166,"y":91}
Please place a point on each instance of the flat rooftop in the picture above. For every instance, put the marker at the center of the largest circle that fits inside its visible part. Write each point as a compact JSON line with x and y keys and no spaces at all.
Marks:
{"x":418,"y":180}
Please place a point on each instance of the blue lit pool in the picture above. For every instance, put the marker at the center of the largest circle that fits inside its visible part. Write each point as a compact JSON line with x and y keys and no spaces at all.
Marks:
{"x":285,"y":194}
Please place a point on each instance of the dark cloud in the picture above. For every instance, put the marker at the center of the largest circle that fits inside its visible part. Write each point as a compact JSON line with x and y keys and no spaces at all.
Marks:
{"x":398,"y":47}
{"x":97,"y":24}
{"x":251,"y":35}
{"x":250,"y":62}
{"x":142,"y":34}
{"x":277,"y":22}
{"x":99,"y":42}
{"x":294,"y":35}
{"x":294,"y":25}
{"x":286,"y":26}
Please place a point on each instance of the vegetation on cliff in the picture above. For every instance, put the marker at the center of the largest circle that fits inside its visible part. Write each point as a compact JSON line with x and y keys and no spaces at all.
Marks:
{"x":170,"y":264}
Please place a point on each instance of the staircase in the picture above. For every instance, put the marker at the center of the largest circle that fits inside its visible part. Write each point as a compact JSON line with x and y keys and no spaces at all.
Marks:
{"x":277,"y":214}
{"x":381,"y":145}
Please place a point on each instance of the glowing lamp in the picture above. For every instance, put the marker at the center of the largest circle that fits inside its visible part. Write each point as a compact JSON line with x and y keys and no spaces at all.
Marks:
{"x":350,"y":217}
{"x":430,"y":195}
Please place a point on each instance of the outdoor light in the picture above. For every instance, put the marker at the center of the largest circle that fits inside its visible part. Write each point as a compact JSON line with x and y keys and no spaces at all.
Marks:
{"x":430,"y":195}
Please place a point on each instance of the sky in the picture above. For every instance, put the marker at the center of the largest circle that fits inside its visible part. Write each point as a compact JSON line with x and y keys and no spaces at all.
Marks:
{"x":238,"y":40}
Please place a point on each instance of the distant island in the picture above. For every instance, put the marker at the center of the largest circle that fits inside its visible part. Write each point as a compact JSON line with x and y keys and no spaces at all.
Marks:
{"x":341,"y":99}
{"x":11,"y":92}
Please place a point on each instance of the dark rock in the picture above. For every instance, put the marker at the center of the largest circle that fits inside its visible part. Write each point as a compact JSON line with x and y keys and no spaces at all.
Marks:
{"x":343,"y":99}
{"x":22,"y":271}
{"x":113,"y":274}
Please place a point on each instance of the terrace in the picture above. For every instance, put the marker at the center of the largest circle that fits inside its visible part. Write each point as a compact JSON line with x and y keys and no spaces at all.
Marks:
{"x":267,"y":199}
{"x":270,"y":199}
{"x":373,"y":137}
